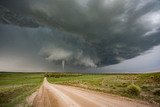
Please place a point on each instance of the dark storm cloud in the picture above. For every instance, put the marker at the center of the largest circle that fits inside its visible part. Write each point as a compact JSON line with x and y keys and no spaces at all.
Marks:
{"x":51,"y":44}
{"x":95,"y":32}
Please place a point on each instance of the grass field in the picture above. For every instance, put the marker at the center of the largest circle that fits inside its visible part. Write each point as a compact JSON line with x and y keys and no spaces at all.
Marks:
{"x":15,"y":87}
{"x":137,"y":86}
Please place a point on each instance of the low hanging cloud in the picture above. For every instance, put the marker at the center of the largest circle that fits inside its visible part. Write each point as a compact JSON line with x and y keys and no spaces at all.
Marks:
{"x":89,"y":33}
{"x":74,"y":58}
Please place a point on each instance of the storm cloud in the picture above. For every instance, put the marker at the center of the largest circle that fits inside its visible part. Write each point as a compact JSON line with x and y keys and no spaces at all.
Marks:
{"x":85,"y":33}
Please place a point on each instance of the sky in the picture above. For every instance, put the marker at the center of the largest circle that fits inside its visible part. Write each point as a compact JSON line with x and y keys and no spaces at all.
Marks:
{"x":149,"y":61}
{"x":96,"y":35}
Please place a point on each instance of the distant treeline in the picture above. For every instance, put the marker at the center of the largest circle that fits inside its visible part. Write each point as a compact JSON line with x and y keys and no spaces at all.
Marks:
{"x":58,"y":74}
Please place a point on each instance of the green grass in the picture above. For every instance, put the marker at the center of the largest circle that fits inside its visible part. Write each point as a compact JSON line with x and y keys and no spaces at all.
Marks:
{"x":15,"y":87}
{"x":115,"y":84}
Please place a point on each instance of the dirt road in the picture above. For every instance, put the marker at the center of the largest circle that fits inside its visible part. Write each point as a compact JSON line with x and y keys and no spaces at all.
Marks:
{"x":50,"y":95}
